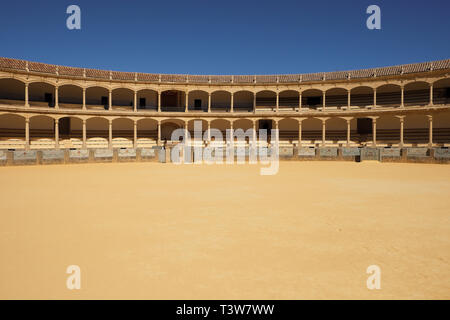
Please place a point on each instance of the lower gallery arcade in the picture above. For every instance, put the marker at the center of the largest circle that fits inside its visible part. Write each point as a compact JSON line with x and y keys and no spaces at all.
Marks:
{"x":43,"y":131}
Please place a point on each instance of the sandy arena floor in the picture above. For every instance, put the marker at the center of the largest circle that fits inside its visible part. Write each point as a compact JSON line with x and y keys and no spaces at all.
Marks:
{"x":155,"y":231}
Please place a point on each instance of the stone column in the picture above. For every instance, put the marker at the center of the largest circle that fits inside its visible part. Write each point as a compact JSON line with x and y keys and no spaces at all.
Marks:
{"x":300,"y":132}
{"x":374,"y":132}
{"x":57,"y":133}
{"x":231,"y":134}
{"x":431,"y":94}
{"x":186,"y":106}
{"x":348,"y":131}
{"x":299,"y":101}
{"x":209,"y":101}
{"x":278,"y":102}
{"x":158,"y":141}
{"x":402,"y":120}
{"x":324,"y":100}
{"x":84,"y":98}
{"x":402,"y":104}
{"x":323,"y":131}
{"x":135,"y":134}
{"x":27,"y":134}
{"x":84,"y":134}
{"x":56,"y":98}
{"x":277,"y":133}
{"x":254,"y":102}
{"x":232,"y":102}
{"x":254,"y":134}
{"x":27,"y":104}
{"x":159,"y":101}
{"x":110,"y":99}
{"x":349,"y":98}
{"x":186,"y":132}
{"x":110,"y":134}
{"x":374,"y":97}
{"x":209,"y":131}
{"x":135,"y":101}
{"x":430,"y":130}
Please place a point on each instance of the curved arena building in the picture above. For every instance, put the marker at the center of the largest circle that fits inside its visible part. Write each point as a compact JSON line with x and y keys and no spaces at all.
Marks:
{"x":52,"y":107}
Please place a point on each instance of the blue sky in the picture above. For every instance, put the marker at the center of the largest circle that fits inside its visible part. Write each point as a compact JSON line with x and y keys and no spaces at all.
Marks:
{"x":226,"y":37}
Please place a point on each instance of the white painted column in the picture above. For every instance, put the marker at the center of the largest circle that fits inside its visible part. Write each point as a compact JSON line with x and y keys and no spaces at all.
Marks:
{"x":186,"y":132}
{"x":186,"y":102}
{"x":27,"y":103}
{"x":110,"y":99}
{"x":57,"y":133}
{"x":254,"y":134}
{"x":135,"y":134}
{"x":110,"y":134}
{"x":323,"y":131}
{"x":27,"y":134}
{"x":374,"y":132}
{"x":84,"y":134}
{"x":278,"y":102}
{"x":430,"y":130}
{"x":56,"y":97}
{"x":232,"y":102}
{"x":159,"y":101}
{"x":209,"y":101}
{"x":135,"y":101}
{"x":209,"y":131}
{"x":431,"y":94}
{"x":277,"y":133}
{"x":254,"y":102}
{"x":84,"y":98}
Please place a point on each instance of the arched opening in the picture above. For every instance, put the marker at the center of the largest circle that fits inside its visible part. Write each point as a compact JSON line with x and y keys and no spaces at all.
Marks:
{"x":441,"y":91}
{"x":147,"y":132}
{"x":167,"y":128}
{"x":123,"y":133}
{"x":41,"y":94}
{"x":388,"y":130}
{"x":266,"y":100}
{"x":415,"y":129}
{"x":147,"y":99}
{"x":389,"y":95}
{"x":417,"y":94}
{"x":361,"y":97}
{"x":288,"y":130}
{"x":288,"y":100}
{"x":441,"y":128}
{"x":12,"y":131}
{"x":199,"y":124}
{"x":12,"y":91}
{"x":97,"y":98}
{"x":97,"y":127}
{"x":198,"y":100}
{"x":311,"y":131}
{"x":312,"y":99}
{"x":42,"y":132}
{"x":70,"y":96}
{"x":70,"y":132}
{"x":123,"y":99}
{"x":336,"y":98}
{"x":336,"y":131}
{"x":220,"y":101}
{"x":173,"y":101}
{"x":243,"y":101}
{"x":222,"y":125}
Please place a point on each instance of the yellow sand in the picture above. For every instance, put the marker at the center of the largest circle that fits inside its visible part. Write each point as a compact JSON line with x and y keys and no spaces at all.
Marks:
{"x":157,"y":231}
